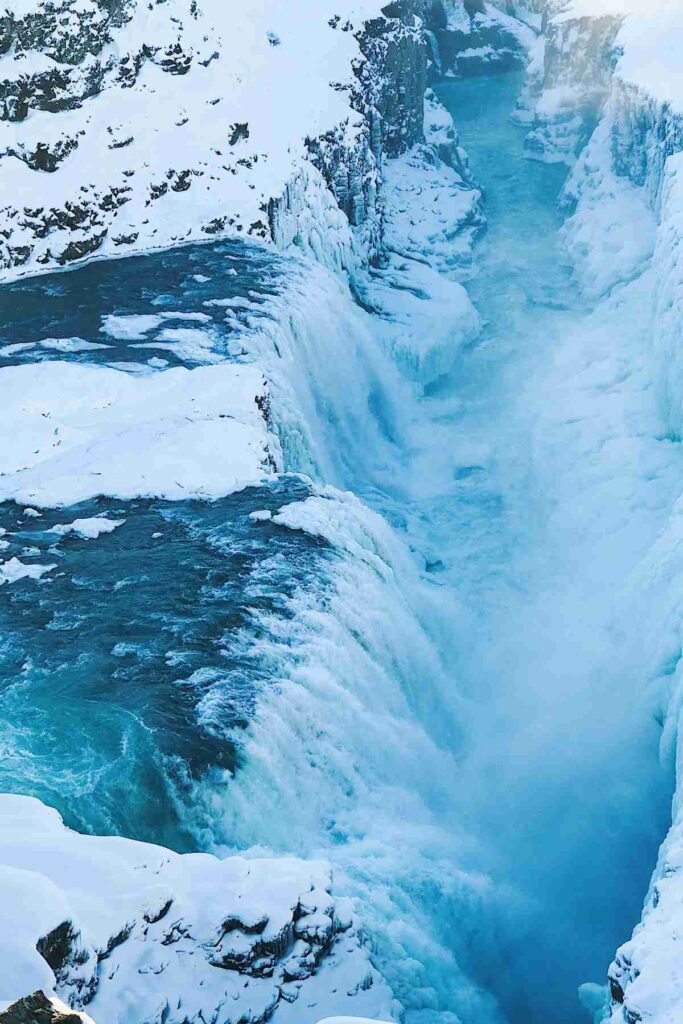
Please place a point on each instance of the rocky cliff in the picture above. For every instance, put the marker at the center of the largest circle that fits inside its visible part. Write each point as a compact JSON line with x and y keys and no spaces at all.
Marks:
{"x":474,"y":37}
{"x":84,"y":169}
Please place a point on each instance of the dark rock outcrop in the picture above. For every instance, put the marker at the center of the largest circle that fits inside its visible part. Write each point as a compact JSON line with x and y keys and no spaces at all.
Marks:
{"x":478,"y":43}
{"x":38,"y":1009}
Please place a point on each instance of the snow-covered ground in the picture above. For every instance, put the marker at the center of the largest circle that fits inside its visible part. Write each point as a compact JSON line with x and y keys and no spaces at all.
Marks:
{"x":74,"y":431}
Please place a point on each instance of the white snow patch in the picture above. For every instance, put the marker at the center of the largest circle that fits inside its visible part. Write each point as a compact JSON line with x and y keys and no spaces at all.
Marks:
{"x":69,"y":432}
{"x":160,"y":918}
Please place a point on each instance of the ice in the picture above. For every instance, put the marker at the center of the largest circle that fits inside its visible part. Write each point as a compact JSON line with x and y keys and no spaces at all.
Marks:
{"x":186,"y":343}
{"x":70,"y":345}
{"x":13,"y":570}
{"x":130,"y":327}
{"x":88,"y":529}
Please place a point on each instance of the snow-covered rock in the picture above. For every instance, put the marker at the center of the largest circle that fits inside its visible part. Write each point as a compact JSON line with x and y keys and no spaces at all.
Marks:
{"x":250,"y":939}
{"x":84,"y":169}
{"x":38,"y":1009}
{"x":572,"y":76}
{"x":474,"y":37}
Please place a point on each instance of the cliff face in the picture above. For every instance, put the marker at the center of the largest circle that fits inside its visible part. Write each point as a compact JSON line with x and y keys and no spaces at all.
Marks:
{"x":83,"y":169}
{"x":570,"y":81}
{"x":621,"y":72}
{"x":388,"y":94}
{"x":474,"y":37}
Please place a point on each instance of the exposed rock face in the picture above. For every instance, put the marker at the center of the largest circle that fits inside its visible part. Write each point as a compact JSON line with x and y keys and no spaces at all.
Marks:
{"x":72,"y":36}
{"x":471,"y":37}
{"x":388,"y":93}
{"x":645,"y":133}
{"x":396,"y":78}
{"x":570,"y":83}
{"x":38,"y":1009}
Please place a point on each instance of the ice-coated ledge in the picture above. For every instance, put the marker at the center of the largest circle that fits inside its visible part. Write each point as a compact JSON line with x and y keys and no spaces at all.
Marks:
{"x":645,"y":977}
{"x":90,"y":918}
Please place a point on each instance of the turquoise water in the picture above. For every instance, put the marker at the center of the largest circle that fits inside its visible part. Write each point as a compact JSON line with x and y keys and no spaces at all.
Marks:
{"x":199,"y":679}
{"x":127,"y":678}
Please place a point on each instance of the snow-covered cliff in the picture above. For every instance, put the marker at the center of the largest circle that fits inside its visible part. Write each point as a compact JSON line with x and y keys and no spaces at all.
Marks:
{"x":606,"y":96}
{"x":242,"y":937}
{"x":85,"y":166}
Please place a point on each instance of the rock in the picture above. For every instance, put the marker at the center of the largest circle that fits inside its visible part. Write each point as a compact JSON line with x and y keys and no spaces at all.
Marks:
{"x":38,"y":1009}
{"x":472,"y":38}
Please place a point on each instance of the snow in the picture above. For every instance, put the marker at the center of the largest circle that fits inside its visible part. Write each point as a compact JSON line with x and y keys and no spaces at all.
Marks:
{"x":196,"y":928}
{"x":13,"y":570}
{"x":428,"y":319}
{"x":431,"y":213}
{"x":649,"y":41}
{"x":72,"y":431}
{"x":186,"y":343}
{"x":651,"y":44}
{"x":233,"y":77}
{"x":611,"y":235}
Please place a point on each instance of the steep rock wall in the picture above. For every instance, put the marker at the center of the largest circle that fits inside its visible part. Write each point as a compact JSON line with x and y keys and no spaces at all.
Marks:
{"x":475,"y":37}
{"x":570,"y":82}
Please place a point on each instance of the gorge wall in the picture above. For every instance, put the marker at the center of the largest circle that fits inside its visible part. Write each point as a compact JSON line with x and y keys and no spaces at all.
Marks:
{"x":605,"y":96}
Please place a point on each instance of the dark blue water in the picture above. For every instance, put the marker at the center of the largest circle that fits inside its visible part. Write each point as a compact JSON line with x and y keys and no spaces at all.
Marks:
{"x":216,"y":290}
{"x":128,"y":672}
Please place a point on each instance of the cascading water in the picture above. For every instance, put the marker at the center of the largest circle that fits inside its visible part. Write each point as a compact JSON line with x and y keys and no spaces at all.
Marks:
{"x":528,"y":863}
{"x":456,"y":729}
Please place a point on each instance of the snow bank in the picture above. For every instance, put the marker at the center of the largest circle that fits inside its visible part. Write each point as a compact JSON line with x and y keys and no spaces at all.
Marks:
{"x":427,"y":319}
{"x":432,"y":213}
{"x":72,"y":431}
{"x":87,"y":918}
{"x":611,"y":235}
